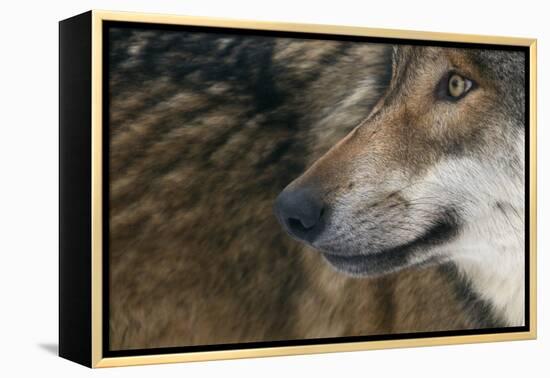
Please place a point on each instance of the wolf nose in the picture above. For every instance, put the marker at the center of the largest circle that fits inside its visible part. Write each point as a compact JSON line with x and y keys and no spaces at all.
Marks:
{"x":300,"y":212}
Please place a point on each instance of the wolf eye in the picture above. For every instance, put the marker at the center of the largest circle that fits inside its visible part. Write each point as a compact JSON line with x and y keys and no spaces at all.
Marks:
{"x":458,"y":86}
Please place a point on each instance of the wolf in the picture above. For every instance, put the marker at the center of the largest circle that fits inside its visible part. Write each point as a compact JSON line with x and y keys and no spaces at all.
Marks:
{"x":434,"y":175}
{"x":205,"y":130}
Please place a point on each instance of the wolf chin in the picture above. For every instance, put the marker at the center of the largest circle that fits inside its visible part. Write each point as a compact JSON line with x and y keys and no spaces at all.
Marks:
{"x":435,"y":174}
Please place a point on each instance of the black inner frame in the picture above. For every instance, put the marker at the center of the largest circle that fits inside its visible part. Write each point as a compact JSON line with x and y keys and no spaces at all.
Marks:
{"x":280,"y":343}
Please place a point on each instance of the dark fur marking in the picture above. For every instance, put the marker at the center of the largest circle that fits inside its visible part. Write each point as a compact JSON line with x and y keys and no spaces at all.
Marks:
{"x":480,"y":311}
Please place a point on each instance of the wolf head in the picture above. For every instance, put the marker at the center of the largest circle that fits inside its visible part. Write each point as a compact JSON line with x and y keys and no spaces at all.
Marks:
{"x":425,"y":175}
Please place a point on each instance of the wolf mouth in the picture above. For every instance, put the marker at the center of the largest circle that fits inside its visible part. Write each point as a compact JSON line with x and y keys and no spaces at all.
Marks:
{"x":394,"y":258}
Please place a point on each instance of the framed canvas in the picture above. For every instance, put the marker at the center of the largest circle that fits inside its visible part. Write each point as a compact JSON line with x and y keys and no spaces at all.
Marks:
{"x":236,"y":189}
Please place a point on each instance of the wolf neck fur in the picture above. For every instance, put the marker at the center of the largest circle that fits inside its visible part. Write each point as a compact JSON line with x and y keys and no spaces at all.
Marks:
{"x":490,"y":255}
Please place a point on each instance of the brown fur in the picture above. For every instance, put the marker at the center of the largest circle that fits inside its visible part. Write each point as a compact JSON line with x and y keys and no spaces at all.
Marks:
{"x":204,"y":134}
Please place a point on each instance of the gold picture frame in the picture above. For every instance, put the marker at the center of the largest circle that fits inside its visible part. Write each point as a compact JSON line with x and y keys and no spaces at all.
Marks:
{"x":91,"y":328}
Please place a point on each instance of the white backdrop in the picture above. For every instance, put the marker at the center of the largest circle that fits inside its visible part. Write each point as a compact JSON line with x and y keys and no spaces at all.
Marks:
{"x":28,"y":158}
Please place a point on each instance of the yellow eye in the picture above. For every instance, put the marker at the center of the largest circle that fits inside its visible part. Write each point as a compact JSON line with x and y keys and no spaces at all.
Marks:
{"x":458,"y":85}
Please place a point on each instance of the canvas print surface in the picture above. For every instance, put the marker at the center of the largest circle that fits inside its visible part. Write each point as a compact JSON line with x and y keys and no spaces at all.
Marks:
{"x":272,"y":188}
